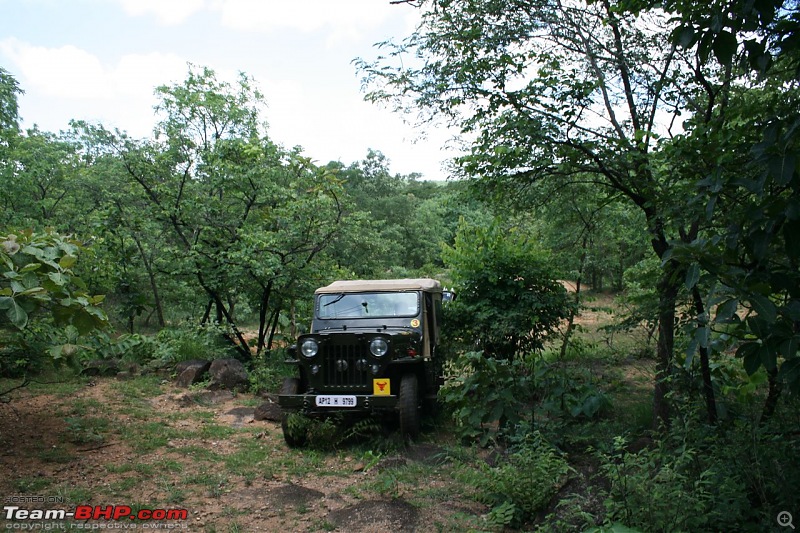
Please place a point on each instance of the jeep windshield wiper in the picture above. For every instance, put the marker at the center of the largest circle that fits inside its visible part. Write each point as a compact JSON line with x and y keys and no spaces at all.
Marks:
{"x":334,"y":300}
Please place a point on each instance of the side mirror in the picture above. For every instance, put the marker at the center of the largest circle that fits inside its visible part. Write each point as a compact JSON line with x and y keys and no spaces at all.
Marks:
{"x":448,"y":296}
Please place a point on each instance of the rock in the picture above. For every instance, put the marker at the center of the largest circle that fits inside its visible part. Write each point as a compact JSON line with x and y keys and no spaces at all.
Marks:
{"x":228,"y":374}
{"x":191,"y":372}
{"x":268,"y":410}
{"x":102,"y":367}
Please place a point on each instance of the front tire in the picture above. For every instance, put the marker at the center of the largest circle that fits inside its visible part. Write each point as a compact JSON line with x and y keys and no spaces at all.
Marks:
{"x":295,"y":437}
{"x":408,"y":406}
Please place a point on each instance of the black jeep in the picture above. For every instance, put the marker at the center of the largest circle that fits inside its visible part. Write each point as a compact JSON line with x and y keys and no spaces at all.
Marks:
{"x":371,"y":349}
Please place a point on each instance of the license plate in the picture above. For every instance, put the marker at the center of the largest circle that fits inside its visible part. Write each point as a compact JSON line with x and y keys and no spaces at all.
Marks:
{"x":336,"y":401}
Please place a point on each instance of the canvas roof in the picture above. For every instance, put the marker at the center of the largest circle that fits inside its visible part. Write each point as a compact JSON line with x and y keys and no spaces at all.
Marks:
{"x":414,"y":284}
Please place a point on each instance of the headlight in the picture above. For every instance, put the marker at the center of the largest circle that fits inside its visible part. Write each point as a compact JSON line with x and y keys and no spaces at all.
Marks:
{"x":309,"y":348}
{"x":378,"y":347}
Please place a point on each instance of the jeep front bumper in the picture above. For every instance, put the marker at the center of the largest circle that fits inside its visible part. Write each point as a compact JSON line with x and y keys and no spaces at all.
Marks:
{"x":311,"y":403}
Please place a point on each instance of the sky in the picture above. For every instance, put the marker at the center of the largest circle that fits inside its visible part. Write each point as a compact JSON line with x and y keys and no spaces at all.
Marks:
{"x":100,"y":61}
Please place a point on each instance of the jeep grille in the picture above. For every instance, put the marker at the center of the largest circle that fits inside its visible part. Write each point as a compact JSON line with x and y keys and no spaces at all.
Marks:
{"x":341,"y":367}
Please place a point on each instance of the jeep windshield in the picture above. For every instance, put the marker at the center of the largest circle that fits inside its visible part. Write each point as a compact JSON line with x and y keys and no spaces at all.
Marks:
{"x":367,"y":305}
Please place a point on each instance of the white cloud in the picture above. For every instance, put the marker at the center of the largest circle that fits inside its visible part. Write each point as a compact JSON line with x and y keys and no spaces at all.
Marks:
{"x":344,"y":20}
{"x":67,"y":71}
{"x":342,"y":127}
{"x":167,"y":12}
{"x":70,"y":83}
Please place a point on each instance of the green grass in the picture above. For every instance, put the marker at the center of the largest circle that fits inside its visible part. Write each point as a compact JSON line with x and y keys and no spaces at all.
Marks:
{"x":29,"y":485}
{"x":212,"y":431}
{"x":139,"y":388}
{"x":73,"y":494}
{"x":150,"y":436}
{"x":56,"y":454}
{"x":120,"y":468}
{"x":84,"y":430}
{"x":199,"y":453}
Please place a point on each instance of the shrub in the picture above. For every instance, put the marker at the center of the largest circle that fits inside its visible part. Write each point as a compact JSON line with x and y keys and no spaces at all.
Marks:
{"x":563,"y":392}
{"x":486,"y":396}
{"x":736,"y":477}
{"x":525,"y":483}
{"x":268,"y":372}
{"x":189,"y":341}
{"x":509,"y":301}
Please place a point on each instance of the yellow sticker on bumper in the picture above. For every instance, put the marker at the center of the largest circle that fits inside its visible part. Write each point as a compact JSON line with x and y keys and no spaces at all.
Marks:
{"x":381,"y":387}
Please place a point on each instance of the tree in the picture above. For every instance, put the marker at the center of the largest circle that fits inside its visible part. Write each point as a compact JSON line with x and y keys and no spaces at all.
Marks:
{"x":44,"y":166}
{"x":9,"y":106}
{"x":239,"y":217}
{"x":9,"y":130}
{"x":38,"y":285}
{"x":748,"y":184}
{"x":562,"y":92}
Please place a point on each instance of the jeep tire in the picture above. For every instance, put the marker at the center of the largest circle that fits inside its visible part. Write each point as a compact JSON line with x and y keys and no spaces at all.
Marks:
{"x":408,"y":406}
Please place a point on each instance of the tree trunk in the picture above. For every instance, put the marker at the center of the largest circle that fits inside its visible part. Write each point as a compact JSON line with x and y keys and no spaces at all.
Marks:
{"x":274,"y":327}
{"x":153,"y":285}
{"x":207,"y":313}
{"x":705,"y":368}
{"x":263,"y":306}
{"x":667,"y":295}
{"x":571,"y":320}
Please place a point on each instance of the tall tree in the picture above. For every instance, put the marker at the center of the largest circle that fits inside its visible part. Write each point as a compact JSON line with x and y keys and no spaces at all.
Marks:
{"x":240,"y":217}
{"x":558,"y":91}
{"x":748,"y":182}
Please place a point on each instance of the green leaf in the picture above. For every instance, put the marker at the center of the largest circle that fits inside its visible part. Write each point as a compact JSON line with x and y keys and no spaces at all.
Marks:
{"x":67,"y":261}
{"x":30,"y":267}
{"x":33,"y":291}
{"x":684,"y":36}
{"x":764,"y":307}
{"x":724,"y":47}
{"x":17,"y":315}
{"x":752,"y":360}
{"x":790,"y":347}
{"x":726,"y":311}
{"x":58,"y":278}
{"x":782,"y":169}
{"x":692,"y":275}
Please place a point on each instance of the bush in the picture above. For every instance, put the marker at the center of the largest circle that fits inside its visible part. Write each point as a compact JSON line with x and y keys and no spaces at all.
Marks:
{"x":525,"y":483}
{"x":568,"y":393}
{"x":267,"y":373}
{"x":188,"y":341}
{"x":732,"y":478}
{"x":509,"y":301}
{"x":486,"y":396}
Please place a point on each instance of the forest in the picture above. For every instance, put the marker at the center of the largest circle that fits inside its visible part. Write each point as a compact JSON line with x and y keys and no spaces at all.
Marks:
{"x":643,"y":154}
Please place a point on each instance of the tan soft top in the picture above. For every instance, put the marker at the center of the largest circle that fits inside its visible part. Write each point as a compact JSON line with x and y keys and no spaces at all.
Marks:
{"x":386,"y":285}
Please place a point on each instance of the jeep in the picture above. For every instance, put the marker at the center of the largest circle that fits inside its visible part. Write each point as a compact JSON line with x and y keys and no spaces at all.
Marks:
{"x":372,"y":348}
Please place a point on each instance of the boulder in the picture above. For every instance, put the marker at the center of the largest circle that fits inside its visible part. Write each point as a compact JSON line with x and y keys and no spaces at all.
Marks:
{"x":228,"y":374}
{"x":191,"y":372}
{"x":102,"y":367}
{"x":269,"y":410}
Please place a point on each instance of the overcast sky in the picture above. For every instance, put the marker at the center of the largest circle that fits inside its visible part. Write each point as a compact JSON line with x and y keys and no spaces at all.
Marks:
{"x":100,"y":60}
